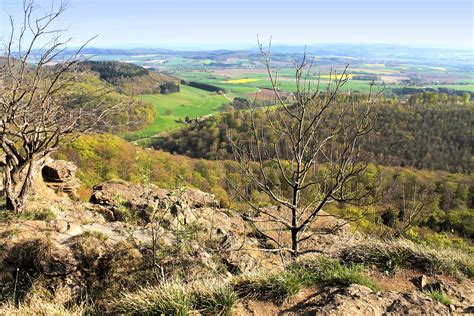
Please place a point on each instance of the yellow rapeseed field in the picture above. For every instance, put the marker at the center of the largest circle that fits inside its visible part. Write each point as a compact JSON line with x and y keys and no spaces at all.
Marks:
{"x":243,"y":80}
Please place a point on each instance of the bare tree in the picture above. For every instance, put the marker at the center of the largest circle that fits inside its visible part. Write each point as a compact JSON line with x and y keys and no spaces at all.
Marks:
{"x":36,"y":71}
{"x":303,"y":156}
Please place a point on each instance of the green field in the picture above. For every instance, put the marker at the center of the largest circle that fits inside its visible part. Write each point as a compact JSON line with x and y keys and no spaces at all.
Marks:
{"x":189,"y":102}
{"x":286,"y":81}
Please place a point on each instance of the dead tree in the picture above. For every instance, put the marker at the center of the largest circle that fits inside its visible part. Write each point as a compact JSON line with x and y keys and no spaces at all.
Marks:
{"x":299,"y":159}
{"x":36,"y":71}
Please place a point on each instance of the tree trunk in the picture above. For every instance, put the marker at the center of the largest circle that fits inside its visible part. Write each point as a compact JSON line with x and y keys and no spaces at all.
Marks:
{"x":19,"y":183}
{"x":294,"y":243}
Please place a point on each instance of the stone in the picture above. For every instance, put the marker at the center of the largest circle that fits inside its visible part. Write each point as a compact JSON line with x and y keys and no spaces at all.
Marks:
{"x":421,"y":282}
{"x":60,"y":176}
{"x":140,"y":200}
{"x":74,"y":230}
{"x":60,"y":226}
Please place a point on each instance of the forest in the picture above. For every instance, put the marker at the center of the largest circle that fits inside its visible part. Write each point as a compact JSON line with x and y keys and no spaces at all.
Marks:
{"x":429,"y":131}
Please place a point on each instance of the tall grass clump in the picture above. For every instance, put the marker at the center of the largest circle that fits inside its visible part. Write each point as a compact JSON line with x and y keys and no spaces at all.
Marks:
{"x":213,"y":298}
{"x":277,"y":286}
{"x":274,"y":286}
{"x":174,"y":298}
{"x":167,"y":299}
{"x":321,"y":270}
{"x":395,"y":253}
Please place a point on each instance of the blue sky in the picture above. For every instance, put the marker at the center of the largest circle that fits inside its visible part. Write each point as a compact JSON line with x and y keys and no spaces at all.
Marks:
{"x":233,"y":24}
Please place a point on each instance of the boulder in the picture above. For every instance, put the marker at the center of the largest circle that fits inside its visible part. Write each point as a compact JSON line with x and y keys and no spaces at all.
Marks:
{"x":140,"y":200}
{"x":60,"y":176}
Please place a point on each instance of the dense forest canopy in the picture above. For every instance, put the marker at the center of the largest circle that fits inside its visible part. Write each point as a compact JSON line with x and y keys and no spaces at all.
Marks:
{"x":131,"y":79}
{"x":89,"y":87}
{"x":430,"y":131}
{"x":111,"y":71}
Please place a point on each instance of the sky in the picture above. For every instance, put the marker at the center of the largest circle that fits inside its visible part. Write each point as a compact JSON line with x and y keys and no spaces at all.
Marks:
{"x":236,"y":24}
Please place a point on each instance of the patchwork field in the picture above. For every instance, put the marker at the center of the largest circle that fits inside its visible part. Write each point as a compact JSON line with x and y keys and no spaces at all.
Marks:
{"x":241,"y":74}
{"x":172,"y":109}
{"x":241,"y":81}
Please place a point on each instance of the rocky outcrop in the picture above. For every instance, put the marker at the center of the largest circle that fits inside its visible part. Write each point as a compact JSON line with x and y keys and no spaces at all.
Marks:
{"x":130,"y":232}
{"x":360,"y":300}
{"x":60,"y":176}
{"x":117,"y":196}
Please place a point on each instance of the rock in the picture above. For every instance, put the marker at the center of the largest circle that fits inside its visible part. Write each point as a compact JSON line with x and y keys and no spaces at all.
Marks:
{"x":452,"y":308}
{"x":360,"y":300}
{"x":60,"y":226}
{"x":60,"y":176}
{"x":59,"y":262}
{"x":119,"y":196}
{"x":197,"y":199}
{"x":74,"y":229}
{"x":421,"y":282}
{"x":120,"y":193}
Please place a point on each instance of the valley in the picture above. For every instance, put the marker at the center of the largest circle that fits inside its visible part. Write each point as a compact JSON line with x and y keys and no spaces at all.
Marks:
{"x":398,"y":72}
{"x":214,"y":177}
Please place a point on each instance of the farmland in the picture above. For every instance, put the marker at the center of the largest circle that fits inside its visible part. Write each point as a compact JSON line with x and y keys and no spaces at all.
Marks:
{"x":241,"y":74}
{"x":172,"y":109}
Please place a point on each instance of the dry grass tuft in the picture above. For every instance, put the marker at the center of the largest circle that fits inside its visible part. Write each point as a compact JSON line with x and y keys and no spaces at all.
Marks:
{"x":41,"y":302}
{"x":392,"y":254}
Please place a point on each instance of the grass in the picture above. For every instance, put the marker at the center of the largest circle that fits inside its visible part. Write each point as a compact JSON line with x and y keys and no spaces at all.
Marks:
{"x":278,"y":286}
{"x":40,"y":215}
{"x":438,"y":295}
{"x":389,"y":255}
{"x":174,"y":298}
{"x":173,"y":108}
{"x":42,"y":302}
{"x":218,"y":297}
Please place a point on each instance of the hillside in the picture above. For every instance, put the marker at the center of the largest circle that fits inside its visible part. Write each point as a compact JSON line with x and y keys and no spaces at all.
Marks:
{"x":175,"y":109}
{"x":143,"y":249}
{"x":88,"y":89}
{"x":131,"y":79}
{"x":430,"y":131}
{"x":105,"y":157}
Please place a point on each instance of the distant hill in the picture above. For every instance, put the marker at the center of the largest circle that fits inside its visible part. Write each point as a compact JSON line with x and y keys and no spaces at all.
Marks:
{"x":131,"y":79}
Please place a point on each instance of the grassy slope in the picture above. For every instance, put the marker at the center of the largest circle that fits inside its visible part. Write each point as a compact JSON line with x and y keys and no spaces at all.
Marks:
{"x":189,"y":102}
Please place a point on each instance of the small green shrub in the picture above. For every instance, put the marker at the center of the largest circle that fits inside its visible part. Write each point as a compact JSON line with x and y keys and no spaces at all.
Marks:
{"x":438,"y":296}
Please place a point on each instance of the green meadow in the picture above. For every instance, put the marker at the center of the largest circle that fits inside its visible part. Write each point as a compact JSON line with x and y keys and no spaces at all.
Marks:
{"x":173,"y":108}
